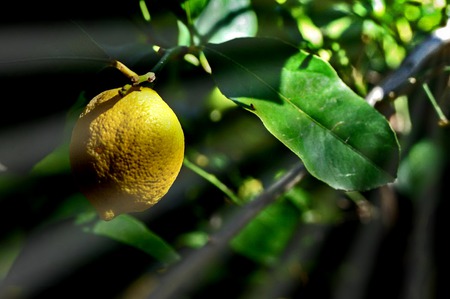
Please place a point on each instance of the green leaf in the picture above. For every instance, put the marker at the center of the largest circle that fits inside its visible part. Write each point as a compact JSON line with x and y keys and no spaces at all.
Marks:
{"x":54,"y":163}
{"x":301,"y":100}
{"x":131,"y":231}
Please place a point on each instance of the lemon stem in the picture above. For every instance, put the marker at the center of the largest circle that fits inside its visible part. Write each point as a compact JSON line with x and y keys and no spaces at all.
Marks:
{"x":148,"y":77}
{"x":213,"y":180}
{"x":126,"y":71}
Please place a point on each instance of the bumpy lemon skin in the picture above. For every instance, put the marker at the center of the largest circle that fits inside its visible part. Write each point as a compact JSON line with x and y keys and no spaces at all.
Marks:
{"x":126,"y":151}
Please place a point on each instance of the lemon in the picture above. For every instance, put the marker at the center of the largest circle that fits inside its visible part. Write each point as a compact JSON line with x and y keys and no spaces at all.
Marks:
{"x":126,"y":150}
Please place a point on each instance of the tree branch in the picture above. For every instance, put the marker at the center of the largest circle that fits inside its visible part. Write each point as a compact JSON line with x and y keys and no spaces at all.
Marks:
{"x":399,"y":79}
{"x":184,"y":276}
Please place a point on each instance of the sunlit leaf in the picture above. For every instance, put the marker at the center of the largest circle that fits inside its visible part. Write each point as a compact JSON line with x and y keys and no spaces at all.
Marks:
{"x":131,"y":231}
{"x":301,"y":100}
{"x":223,"y":20}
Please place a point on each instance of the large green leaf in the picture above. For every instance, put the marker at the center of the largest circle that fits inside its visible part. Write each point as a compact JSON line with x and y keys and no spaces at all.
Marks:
{"x":301,"y":100}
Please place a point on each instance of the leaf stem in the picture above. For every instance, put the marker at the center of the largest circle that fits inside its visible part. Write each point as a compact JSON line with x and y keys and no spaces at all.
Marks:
{"x":366,"y":209}
{"x":213,"y":180}
{"x":443,"y":121}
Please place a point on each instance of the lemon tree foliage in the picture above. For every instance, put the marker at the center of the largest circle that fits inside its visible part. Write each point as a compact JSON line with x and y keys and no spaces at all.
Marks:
{"x":298,"y":72}
{"x":301,"y":100}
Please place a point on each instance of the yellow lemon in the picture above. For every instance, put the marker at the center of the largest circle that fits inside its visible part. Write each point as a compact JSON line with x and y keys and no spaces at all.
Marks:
{"x":126,"y":150}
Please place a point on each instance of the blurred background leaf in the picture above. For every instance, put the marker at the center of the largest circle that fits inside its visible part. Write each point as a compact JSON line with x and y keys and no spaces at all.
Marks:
{"x":133,"y":232}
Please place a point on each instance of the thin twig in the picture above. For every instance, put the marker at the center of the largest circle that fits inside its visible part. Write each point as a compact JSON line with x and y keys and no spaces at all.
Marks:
{"x":443,"y":121}
{"x":169,"y":54}
{"x":184,"y":276}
